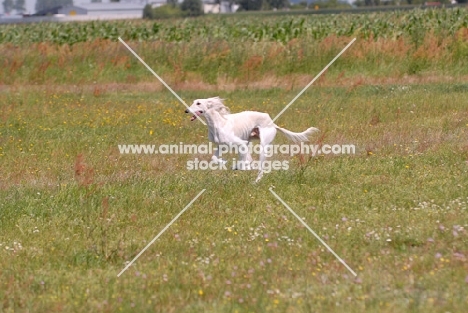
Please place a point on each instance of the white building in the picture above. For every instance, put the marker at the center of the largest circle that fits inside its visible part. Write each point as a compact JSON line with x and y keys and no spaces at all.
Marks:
{"x":211,"y":6}
{"x":127,"y":8}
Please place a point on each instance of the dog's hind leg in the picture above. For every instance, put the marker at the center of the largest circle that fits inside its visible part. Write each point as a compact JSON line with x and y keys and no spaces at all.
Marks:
{"x":266,"y":137}
{"x":254,"y":134}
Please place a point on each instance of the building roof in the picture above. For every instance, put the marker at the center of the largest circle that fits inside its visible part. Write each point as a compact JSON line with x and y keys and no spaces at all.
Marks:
{"x":54,"y":10}
{"x":113,"y":6}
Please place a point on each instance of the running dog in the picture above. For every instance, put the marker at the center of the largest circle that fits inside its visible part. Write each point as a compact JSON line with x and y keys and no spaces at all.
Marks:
{"x":240,"y":128}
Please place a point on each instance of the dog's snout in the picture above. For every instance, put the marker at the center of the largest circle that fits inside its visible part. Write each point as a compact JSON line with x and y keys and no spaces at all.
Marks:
{"x":186,"y":111}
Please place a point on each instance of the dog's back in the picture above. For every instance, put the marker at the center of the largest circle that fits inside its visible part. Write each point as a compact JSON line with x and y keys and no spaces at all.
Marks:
{"x":251,"y":117}
{"x":244,"y":122}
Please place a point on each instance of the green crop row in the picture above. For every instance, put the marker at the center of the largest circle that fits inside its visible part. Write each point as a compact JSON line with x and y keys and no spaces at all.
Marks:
{"x":413,"y":24}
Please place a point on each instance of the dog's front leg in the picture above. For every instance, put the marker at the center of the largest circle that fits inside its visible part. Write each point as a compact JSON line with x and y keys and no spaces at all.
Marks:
{"x":216,"y":156}
{"x":261,"y":164}
{"x":259,"y":176}
{"x":245,"y":159}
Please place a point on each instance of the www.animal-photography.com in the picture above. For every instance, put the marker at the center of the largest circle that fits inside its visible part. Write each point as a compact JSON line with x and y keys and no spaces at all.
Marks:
{"x":233,"y":156}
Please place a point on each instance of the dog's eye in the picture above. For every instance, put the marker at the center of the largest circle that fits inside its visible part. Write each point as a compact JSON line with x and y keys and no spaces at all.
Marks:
{"x":198,"y":103}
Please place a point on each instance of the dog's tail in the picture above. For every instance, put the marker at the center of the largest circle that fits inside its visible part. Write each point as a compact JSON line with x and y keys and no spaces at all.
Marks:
{"x":298,"y":137}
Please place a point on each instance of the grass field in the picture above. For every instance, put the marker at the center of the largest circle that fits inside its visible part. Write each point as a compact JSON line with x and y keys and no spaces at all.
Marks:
{"x":73,"y":210}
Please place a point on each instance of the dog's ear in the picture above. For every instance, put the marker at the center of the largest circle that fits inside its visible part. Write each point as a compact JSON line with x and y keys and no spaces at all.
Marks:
{"x":216,"y":99}
{"x":211,"y":102}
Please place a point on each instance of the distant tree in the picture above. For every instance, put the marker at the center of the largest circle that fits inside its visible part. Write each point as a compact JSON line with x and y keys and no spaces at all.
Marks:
{"x":192,"y":7}
{"x":277,"y":4}
{"x":8,"y":6}
{"x":148,"y":11}
{"x":45,"y":4}
{"x":19,"y":6}
{"x":250,"y":5}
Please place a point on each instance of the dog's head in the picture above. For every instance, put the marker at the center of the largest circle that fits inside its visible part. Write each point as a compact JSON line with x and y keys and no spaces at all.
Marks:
{"x":200,"y":106}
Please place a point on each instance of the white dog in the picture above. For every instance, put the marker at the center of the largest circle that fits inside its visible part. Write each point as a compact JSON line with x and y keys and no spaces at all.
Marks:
{"x":240,"y":128}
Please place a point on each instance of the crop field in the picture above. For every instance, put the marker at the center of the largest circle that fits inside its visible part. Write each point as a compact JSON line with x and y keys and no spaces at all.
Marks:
{"x":74,"y":211}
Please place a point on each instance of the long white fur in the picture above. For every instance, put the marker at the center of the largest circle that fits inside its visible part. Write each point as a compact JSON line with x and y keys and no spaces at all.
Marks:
{"x":227,"y":128}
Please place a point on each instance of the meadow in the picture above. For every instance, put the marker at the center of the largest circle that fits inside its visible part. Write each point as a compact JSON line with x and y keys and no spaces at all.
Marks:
{"x":74,"y":212}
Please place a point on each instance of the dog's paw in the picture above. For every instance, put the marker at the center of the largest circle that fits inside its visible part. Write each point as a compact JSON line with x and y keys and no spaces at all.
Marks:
{"x":218,"y":160}
{"x":259,"y":177}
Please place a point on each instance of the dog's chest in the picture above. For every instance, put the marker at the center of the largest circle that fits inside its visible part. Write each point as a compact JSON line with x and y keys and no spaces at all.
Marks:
{"x":222,"y":135}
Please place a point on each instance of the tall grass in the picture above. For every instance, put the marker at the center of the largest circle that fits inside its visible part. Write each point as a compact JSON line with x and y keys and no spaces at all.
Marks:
{"x":219,"y":63}
{"x":217,"y":51}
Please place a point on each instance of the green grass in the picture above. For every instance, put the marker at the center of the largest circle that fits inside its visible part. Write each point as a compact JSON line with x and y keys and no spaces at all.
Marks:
{"x":70,"y":223}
